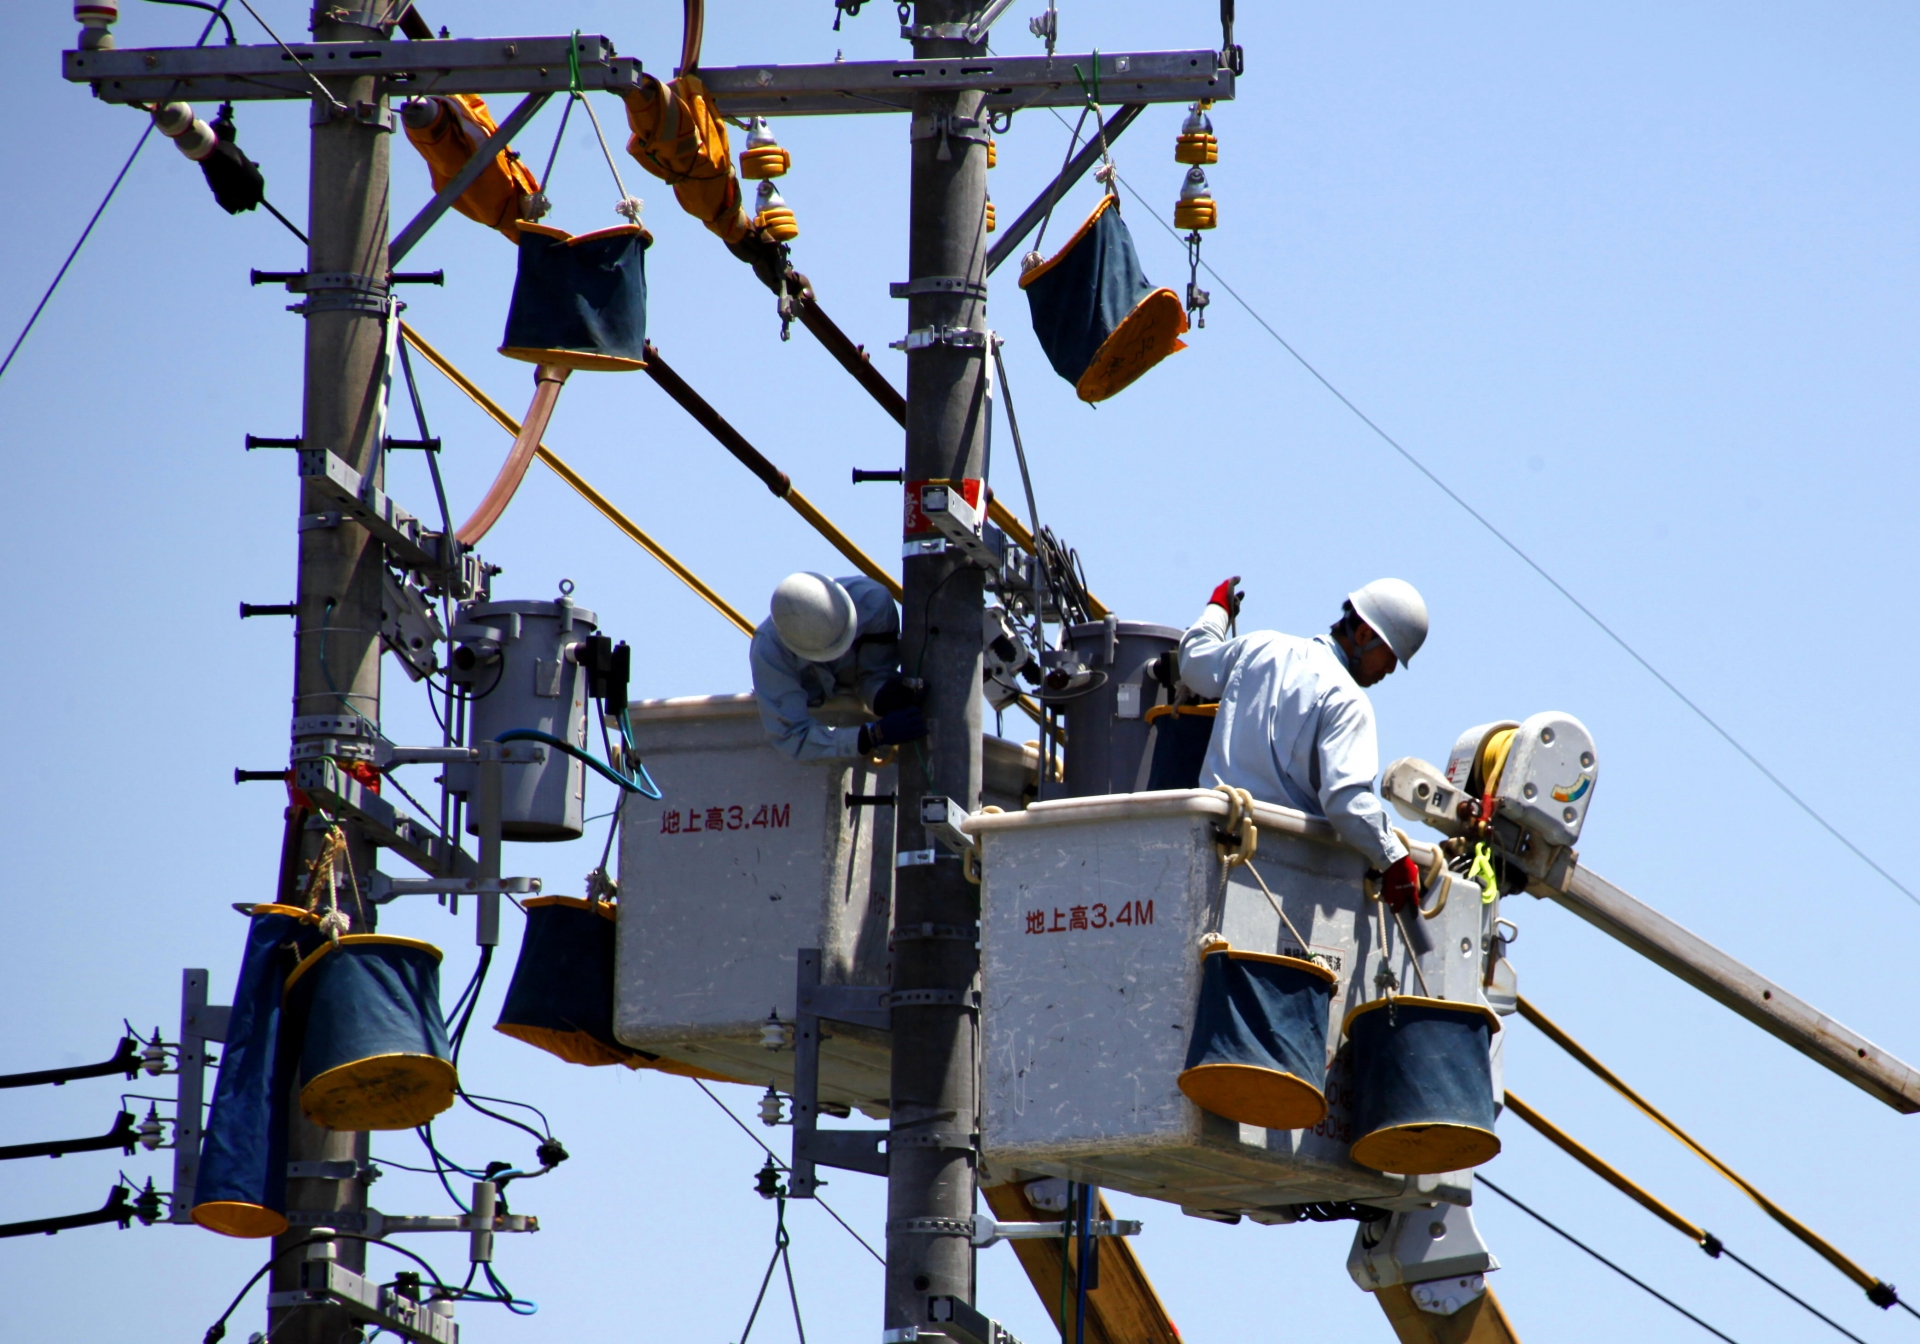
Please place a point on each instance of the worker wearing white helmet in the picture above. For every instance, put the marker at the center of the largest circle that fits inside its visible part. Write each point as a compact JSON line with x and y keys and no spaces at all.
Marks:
{"x":1295,"y":726}
{"x":828,"y":638}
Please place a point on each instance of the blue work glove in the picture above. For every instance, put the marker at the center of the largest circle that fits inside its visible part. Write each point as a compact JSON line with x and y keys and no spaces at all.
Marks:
{"x":897,"y":693}
{"x":902,"y":725}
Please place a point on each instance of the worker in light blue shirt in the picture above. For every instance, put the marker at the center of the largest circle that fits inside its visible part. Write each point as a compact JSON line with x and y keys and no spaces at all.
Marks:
{"x":1295,"y":726}
{"x":828,"y":638}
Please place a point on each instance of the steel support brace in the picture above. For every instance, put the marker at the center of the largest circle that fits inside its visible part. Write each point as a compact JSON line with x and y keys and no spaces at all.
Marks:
{"x":813,"y":1147}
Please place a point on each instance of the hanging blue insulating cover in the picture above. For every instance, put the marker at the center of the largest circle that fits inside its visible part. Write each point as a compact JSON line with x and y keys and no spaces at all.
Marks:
{"x":1097,"y":317}
{"x":1258,"y":1054}
{"x":1422,"y":1085}
{"x":242,"y":1187}
{"x":561,"y":998}
{"x":374,"y":1051}
{"x":580,"y":303}
{"x":1181,"y":736}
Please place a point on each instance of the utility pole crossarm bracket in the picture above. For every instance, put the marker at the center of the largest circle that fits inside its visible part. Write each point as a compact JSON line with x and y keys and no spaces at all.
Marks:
{"x":1010,"y":82}
{"x":848,"y":1149}
{"x":406,"y":69}
{"x":344,"y":796}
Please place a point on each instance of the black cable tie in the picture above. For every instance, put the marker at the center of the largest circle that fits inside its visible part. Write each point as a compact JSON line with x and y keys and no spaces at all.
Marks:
{"x":1711,"y":1244}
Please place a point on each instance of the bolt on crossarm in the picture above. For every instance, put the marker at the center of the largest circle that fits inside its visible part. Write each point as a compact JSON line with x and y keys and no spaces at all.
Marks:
{"x":935,"y":1120}
{"x":339,"y":584}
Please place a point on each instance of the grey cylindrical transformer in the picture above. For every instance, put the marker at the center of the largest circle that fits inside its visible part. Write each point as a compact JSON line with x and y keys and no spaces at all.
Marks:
{"x":517,"y":661}
{"x":1107,"y":730}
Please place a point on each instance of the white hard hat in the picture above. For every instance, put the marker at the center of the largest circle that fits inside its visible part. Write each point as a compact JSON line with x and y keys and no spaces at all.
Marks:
{"x":1397,"y":613}
{"x":814,"y":617}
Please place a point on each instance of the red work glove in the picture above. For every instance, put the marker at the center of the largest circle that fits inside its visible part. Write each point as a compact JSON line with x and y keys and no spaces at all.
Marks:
{"x":1227,"y":597}
{"x":1400,"y":884}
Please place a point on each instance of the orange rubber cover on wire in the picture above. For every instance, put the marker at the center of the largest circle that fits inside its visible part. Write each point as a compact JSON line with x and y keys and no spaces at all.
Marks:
{"x":496,"y":196}
{"x":679,"y":137}
{"x":548,"y":380}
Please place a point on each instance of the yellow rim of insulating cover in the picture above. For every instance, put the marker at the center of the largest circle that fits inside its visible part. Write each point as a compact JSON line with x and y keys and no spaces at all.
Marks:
{"x":1028,"y":277}
{"x":605,"y":909}
{"x":1274,"y":958}
{"x":1250,"y":1095}
{"x":1425,"y":1150}
{"x":1414,"y":1001}
{"x":573,"y":359}
{"x":1147,"y":335}
{"x":575,"y":1047}
{"x":233,"y":1218}
{"x":357,"y":940}
{"x":274,"y":908}
{"x":1159,"y":712}
{"x":402,"y":1090}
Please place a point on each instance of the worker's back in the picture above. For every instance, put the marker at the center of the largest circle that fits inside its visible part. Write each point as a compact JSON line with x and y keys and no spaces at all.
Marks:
{"x":1293,"y":726}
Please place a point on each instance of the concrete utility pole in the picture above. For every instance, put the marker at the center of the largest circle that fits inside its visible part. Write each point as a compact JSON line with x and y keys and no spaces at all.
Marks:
{"x":931,"y":1150}
{"x":339,"y":582}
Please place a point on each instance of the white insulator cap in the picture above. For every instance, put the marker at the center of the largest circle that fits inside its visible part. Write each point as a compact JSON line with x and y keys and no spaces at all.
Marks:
{"x":95,"y":18}
{"x":1196,"y":185}
{"x":768,"y":197}
{"x":420,"y":113}
{"x":759,"y":133}
{"x":190,"y":135}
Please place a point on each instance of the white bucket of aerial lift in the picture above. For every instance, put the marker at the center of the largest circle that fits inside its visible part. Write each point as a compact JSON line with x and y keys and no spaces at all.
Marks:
{"x":517,"y":661}
{"x":749,"y":857}
{"x":1436,"y":1251}
{"x":1093,"y":911}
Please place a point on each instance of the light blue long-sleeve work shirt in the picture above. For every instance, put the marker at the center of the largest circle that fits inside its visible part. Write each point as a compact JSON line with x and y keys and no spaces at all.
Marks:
{"x":1294,"y":728}
{"x":789,"y":688}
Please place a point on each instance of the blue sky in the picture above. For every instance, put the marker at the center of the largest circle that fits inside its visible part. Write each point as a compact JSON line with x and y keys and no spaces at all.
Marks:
{"x":1637,"y":280}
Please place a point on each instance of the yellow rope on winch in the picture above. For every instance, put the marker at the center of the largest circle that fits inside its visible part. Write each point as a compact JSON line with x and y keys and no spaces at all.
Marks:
{"x":579,"y":483}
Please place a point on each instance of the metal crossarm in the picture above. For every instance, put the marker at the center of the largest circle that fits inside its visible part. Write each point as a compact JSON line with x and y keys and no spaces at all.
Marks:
{"x":1011,"y":82}
{"x":411,"y":69}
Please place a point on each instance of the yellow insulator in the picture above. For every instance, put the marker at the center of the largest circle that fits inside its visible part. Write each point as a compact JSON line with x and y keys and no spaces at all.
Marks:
{"x":992,"y":223}
{"x":1196,"y":144}
{"x":993,"y":154}
{"x":773,"y":217}
{"x":1195,"y":208}
{"x":763,"y":157}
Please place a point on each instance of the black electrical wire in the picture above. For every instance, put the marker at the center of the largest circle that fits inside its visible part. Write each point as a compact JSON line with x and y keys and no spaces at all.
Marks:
{"x":728,"y":1112}
{"x":214,"y":10}
{"x":1536,"y":566}
{"x":479,"y":979}
{"x":503,"y":1119}
{"x":99,"y":210}
{"x":523,"y":1105}
{"x":217,"y":1331}
{"x":442,"y":1165}
{"x":1562,"y":1232}
{"x":1718,"y":1249}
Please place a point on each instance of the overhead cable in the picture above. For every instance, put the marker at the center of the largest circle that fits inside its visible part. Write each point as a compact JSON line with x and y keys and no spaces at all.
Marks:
{"x":783,"y":1166}
{"x":1536,"y":566}
{"x":1641,"y":1284}
{"x":1878,"y":1291}
{"x":1704,"y":1239}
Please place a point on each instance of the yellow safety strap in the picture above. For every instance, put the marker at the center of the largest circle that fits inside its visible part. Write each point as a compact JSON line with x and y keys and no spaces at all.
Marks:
{"x":1598,"y":1166}
{"x":1874,"y":1288}
{"x":578,"y":482}
{"x":1482,"y":872}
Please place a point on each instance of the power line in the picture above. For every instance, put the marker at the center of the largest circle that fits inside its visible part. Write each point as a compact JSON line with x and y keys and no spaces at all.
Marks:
{"x":1530,"y":562}
{"x":783,"y":1166}
{"x":218,"y":17}
{"x":61,"y":274}
{"x":1644,"y":1287}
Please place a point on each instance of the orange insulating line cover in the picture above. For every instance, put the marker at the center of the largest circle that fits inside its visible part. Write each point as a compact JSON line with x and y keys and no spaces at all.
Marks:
{"x":679,"y":137}
{"x":497,"y":197}
{"x":547,"y":382}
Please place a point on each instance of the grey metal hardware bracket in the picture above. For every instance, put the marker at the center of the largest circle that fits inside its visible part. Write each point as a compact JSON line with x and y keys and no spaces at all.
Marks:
{"x":201,"y":1024}
{"x":341,"y":794}
{"x":414,"y":69}
{"x":410,"y":544}
{"x":324,"y":1281}
{"x":373,"y":1223}
{"x":1010,"y":82}
{"x":848,"y":1149}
